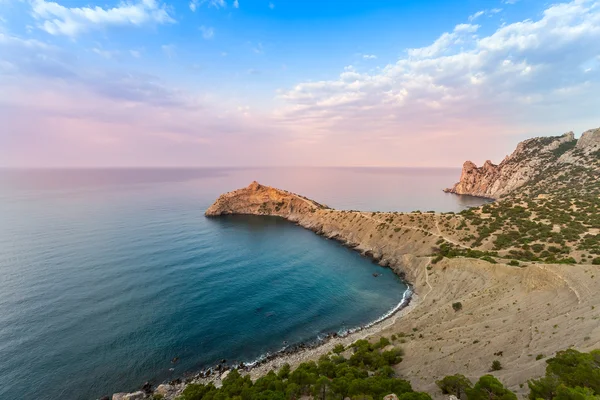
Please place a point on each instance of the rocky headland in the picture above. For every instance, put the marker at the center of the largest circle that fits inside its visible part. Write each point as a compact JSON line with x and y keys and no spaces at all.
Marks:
{"x":533,"y":160}
{"x":524,"y":269}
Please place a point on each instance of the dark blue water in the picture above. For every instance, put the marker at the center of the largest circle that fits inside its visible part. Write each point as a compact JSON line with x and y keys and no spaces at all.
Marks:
{"x":106,"y":275}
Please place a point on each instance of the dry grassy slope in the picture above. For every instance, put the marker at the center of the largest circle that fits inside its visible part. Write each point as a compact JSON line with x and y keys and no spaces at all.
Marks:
{"x":521,"y":312}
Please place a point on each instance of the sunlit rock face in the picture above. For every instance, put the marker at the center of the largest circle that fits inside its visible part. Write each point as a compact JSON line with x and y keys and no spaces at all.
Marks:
{"x":529,"y":160}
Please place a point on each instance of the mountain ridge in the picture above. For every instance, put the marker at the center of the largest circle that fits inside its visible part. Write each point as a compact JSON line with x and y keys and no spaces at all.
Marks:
{"x":527,"y":164}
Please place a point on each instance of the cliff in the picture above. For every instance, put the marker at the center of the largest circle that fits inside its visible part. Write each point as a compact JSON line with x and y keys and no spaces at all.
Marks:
{"x":537,"y":161}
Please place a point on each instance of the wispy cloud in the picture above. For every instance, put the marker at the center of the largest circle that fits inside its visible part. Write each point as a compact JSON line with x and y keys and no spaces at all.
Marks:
{"x":109,"y":55}
{"x":271,"y":6}
{"x":476,"y":15}
{"x":484,"y":12}
{"x":210,"y":3}
{"x":369,"y":56}
{"x":258,"y":48}
{"x":236,"y":4}
{"x":56,"y":19}
{"x":207,"y":32}
{"x":168,"y":50}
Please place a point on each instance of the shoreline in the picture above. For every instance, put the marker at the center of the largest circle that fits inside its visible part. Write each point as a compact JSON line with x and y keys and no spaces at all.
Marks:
{"x":305,"y":351}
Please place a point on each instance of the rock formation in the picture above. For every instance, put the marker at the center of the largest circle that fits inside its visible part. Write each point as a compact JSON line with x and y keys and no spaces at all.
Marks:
{"x":533,"y":161}
{"x":258,"y":199}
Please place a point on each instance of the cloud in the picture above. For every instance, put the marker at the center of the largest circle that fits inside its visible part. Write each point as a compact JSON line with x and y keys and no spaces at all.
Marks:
{"x":258,"y":49}
{"x":207,"y":32}
{"x":56,"y":19}
{"x":135,"y":53}
{"x":210,"y":3}
{"x":168,"y":49}
{"x":525,"y":76}
{"x":236,"y":4}
{"x":466,"y":93}
{"x":109,"y":55}
{"x":369,"y":57}
{"x":271,"y":6}
{"x":476,"y":15}
{"x":484,"y":12}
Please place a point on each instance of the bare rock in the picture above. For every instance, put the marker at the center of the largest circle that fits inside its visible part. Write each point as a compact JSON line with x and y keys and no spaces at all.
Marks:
{"x":225,"y":374}
{"x":164,"y":389}
{"x":526,"y":164}
{"x":391,"y":397}
{"x":589,"y":141}
{"x":258,"y":199}
{"x":139,"y":395}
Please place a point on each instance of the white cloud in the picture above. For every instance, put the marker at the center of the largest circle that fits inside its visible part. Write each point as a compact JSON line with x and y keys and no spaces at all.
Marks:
{"x":211,"y":3}
{"x":476,"y":15}
{"x":56,"y":19}
{"x":236,"y":4}
{"x":369,"y":56}
{"x":446,"y":42}
{"x":484,"y":12}
{"x":271,"y":6}
{"x":522,"y":72}
{"x":135,"y":53}
{"x":207,"y":32}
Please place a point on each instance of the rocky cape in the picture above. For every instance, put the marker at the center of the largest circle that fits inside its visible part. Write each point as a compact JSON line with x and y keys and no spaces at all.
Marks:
{"x":531,"y":162}
{"x":362,"y":231}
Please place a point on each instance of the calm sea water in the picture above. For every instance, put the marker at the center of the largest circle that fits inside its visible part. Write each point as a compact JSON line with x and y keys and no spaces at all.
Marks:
{"x":107,"y":275}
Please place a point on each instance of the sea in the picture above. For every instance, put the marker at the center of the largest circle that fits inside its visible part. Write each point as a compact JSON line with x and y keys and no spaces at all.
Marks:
{"x":108,"y":276}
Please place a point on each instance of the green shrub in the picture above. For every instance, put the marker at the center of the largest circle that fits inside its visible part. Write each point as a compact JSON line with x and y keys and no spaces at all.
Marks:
{"x":338,"y":348}
{"x":496,"y":365}
{"x":457,"y":306}
{"x":455,"y":385}
{"x":489,"y":388}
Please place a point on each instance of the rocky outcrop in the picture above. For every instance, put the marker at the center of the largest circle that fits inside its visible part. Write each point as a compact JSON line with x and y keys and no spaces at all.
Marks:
{"x":589,"y":141}
{"x":537,"y":162}
{"x":257,"y":199}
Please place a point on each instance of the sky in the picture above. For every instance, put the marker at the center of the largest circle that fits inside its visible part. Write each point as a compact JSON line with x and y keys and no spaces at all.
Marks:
{"x":291,"y":82}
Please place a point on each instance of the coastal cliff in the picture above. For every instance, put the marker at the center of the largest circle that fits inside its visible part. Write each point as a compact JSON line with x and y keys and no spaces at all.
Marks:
{"x":533,"y":161}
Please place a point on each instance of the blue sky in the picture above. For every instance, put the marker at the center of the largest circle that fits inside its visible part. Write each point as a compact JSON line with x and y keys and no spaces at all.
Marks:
{"x":253,"y":82}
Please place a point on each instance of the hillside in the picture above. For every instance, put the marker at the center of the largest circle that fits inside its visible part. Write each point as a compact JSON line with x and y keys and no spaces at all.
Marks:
{"x":538,"y":165}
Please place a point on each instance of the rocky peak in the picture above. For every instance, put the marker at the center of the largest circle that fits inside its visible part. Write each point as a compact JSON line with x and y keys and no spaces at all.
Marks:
{"x":254,"y":186}
{"x":589,"y":141}
{"x":259,"y":199}
{"x":526,"y":163}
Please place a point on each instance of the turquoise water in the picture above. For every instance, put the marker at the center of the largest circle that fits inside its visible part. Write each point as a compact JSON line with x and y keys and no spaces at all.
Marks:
{"x":106,"y":276}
